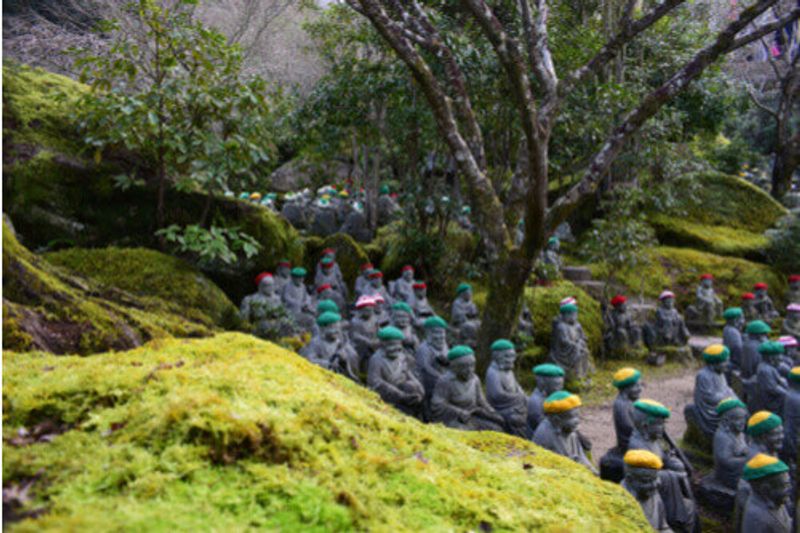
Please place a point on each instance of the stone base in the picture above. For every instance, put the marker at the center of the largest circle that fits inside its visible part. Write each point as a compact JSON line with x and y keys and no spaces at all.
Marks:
{"x":714,"y":496}
{"x":612,"y":468}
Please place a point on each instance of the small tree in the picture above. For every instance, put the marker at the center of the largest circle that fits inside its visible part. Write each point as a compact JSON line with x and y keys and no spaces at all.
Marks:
{"x":170,"y":90}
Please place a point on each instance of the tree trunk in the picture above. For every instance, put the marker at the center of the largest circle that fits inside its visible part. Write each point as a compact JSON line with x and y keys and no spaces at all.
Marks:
{"x":783,"y":167}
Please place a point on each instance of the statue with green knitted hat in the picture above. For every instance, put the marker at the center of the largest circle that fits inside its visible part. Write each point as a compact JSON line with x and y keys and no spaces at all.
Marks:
{"x":504,"y":391}
{"x":390,"y":375}
{"x":403,"y":319}
{"x":464,"y":316}
{"x":331,"y":349}
{"x":297,"y":301}
{"x":732,"y":336}
{"x":431,"y":355}
{"x":328,"y":272}
{"x":710,"y":388}
{"x":558,"y":432}
{"x":791,"y":416}
{"x":550,"y":260}
{"x":730,"y":451}
{"x":757,"y":333}
{"x":641,"y":480}
{"x":766,"y":509}
{"x":549,"y":379}
{"x":627,"y":381}
{"x":568,"y":346}
{"x":771,"y":386}
{"x":458,"y":400}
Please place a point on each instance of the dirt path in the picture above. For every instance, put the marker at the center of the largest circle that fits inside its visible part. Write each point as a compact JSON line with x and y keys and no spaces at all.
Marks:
{"x":597,"y":423}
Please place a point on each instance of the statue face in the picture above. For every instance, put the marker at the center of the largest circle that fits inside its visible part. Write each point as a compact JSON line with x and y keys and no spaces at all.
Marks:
{"x":622,"y":308}
{"x":668,"y":303}
{"x":707,"y":283}
{"x":735,"y":420}
{"x":642,"y":481}
{"x":463,"y":367}
{"x":570,"y":318}
{"x":566,"y":422}
{"x":420,"y":294}
{"x":759,"y":337}
{"x":554,"y":246}
{"x":267,"y":286}
{"x":297,"y":281}
{"x":332,"y":332}
{"x":761,"y":293}
{"x":773,"y":440}
{"x":436,"y":337}
{"x":719,"y":368}
{"x":775,"y":489}
{"x":793,"y":316}
{"x":284,"y":271}
{"x":505,"y":359}
{"x":653,"y":428}
{"x":550,"y":384}
{"x":634,"y":392}
{"x":376,"y":282}
{"x":393,"y":348}
{"x":401,"y":319}
{"x":408,"y":275}
{"x":739,"y":323}
{"x":366,"y":313}
{"x":466,"y":295}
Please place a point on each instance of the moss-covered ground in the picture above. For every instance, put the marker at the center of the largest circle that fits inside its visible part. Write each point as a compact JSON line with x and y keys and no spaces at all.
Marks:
{"x":233,"y":433}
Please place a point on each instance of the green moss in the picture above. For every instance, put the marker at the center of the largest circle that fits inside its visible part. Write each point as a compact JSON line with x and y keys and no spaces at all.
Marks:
{"x":150,"y":273}
{"x":238,"y":433}
{"x":723,"y":240}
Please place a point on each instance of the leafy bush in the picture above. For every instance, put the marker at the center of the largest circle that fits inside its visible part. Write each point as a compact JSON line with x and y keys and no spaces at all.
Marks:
{"x":784,"y":246}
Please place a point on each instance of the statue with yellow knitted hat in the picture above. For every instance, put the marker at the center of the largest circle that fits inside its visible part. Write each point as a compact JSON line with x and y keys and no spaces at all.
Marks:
{"x":766,"y":509}
{"x":641,"y":480}
{"x":568,"y":346}
{"x":390,"y":375}
{"x":628,"y":382}
{"x":558,"y":432}
{"x":710,"y":388}
{"x":730,"y":454}
{"x":549,"y":379}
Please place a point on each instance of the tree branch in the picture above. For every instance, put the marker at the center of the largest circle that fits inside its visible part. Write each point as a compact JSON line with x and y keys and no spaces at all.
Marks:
{"x":765,"y":29}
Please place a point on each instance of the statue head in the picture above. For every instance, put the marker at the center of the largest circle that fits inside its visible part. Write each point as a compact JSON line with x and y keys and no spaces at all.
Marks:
{"x":760,"y":290}
{"x":266,"y":284}
{"x":503,"y":354}
{"x":329,"y":252}
{"x":628,"y":382}
{"x":401,"y":314}
{"x":707,"y":281}
{"x":667,"y":300}
{"x":549,"y":378}
{"x":649,"y":418}
{"x":408,"y":273}
{"x":462,"y":362}
{"x":794,"y":282}
{"x":793,"y":313}
{"x":375,"y":278}
{"x":329,"y":326}
{"x":758,"y":330}
{"x":391,"y":341}
{"x":766,"y":430}
{"x":734,"y":317}
{"x":365,"y":269}
{"x":732,"y":414}
{"x":365,"y":306}
{"x":436,"y":332}
{"x":619,"y":303}
{"x":769,"y":478}
{"x":464,"y":292}
{"x":284,"y":268}
{"x":325,"y":292}
{"x":716,"y":357}
{"x":553,"y":244}
{"x":561,"y":408}
{"x":569,"y":313}
{"x":420,"y":290}
{"x":298,"y":276}
{"x":641,"y":473}
{"x":771,"y":352}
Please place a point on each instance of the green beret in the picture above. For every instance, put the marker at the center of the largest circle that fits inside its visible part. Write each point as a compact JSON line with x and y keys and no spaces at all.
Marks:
{"x":553,"y":240}
{"x":652,"y":408}
{"x":384,"y":189}
{"x":463,"y":287}
{"x":327,"y":305}
{"x":625,"y":377}
{"x":459,"y":351}
{"x":763,"y":465}
{"x":327,"y":260}
{"x":729,"y":403}
{"x":434,"y":322}
{"x":502,"y":345}
{"x":548,"y":370}
{"x":327,"y":318}
{"x":771,"y":348}
{"x":299,"y":272}
{"x":402,"y":306}
{"x":390,"y":333}
{"x":763,"y":422}
{"x":732,"y":312}
{"x":716,"y":353}
{"x":758,"y":327}
{"x":568,"y":308}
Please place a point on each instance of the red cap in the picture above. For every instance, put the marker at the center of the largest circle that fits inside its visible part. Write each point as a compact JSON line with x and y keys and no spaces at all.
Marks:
{"x":375,"y":274}
{"x":760,"y":286}
{"x":366,"y":266}
{"x":262,"y":276}
{"x":327,"y":251}
{"x":618,"y":300}
{"x":323,"y":287}
{"x":707,"y":276}
{"x":748,"y":296}
{"x":285,"y":264}
{"x":794,"y":278}
{"x":407,"y":268}
{"x":393,"y":195}
{"x":419,"y":285}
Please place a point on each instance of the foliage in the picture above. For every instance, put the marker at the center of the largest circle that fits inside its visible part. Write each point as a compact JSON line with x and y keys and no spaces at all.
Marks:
{"x":784,"y":246}
{"x":280,"y":443}
{"x":210,"y":244}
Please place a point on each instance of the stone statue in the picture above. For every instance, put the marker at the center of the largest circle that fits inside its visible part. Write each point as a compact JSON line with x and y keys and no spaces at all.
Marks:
{"x":765,"y":309}
{"x":549,"y":379}
{"x":766,"y":510}
{"x":402,"y":289}
{"x":641,"y":480}
{"x":558,"y":432}
{"x":390,"y":376}
{"x":793,"y":294}
{"x":458,"y":399}
{"x":403,"y":319}
{"x":791,"y":416}
{"x":757,"y":332}
{"x":388,"y":208}
{"x":464,"y":317}
{"x":378,"y":292}
{"x":503,"y":391}
{"x":297,"y":301}
{"x":364,"y":330}
{"x":568,"y":346}
{"x":732,"y":335}
{"x":707,"y":306}
{"x":749,"y":306}
{"x":283,"y":275}
{"x":791,"y":325}
{"x":551,"y":258}
{"x":328,"y":274}
{"x":771,"y":387}
{"x":422,"y":309}
{"x":356,"y":225}
{"x":710,"y":388}
{"x":525,"y":324}
{"x":627,"y":381}
{"x":622,"y":333}
{"x":324,"y":218}
{"x":431,"y":355}
{"x":674,"y":485}
{"x":668,"y":329}
{"x":330,"y":348}
{"x":265,"y":310}
{"x":327,"y":292}
{"x":294,"y":211}
{"x":730,"y":448}
{"x":362,"y":281}
{"x":790,"y":356}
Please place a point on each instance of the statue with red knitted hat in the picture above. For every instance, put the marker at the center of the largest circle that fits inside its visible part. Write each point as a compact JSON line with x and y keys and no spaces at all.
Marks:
{"x":749,"y":306}
{"x":402,"y":288}
{"x":707,"y":306}
{"x":622,"y":333}
{"x":765,"y":309}
{"x":328,"y":271}
{"x":793,"y":294}
{"x":422,"y":309}
{"x":265,"y":310}
{"x":362,"y":281}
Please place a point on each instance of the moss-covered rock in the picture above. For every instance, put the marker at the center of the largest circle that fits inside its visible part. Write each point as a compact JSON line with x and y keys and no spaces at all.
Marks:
{"x":48,"y":308}
{"x":722,"y":240}
{"x":146,"y":272}
{"x":235,"y":433}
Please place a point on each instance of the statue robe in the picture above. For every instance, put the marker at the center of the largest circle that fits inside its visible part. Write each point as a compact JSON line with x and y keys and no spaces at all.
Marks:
{"x":730,"y":455}
{"x":765,"y":309}
{"x":535,"y":410}
{"x":462,"y":405}
{"x":431,"y":365}
{"x":623,"y":423}
{"x":403,"y":291}
{"x":364,"y":337}
{"x":750,"y":357}
{"x":791,"y":328}
{"x":507,"y":397}
{"x":761,"y":518}
{"x":464,"y":317}
{"x":568,"y":349}
{"x":395,"y":382}
{"x":654,"y":510}
{"x":330,"y":277}
{"x":707,"y":304}
{"x":791,"y":424}
{"x":732,"y":339}
{"x":710,"y":388}
{"x":362,"y":282}
{"x":670,"y":328}
{"x":299,"y":303}
{"x":338,"y":357}
{"x":771,"y":388}
{"x":547,"y":436}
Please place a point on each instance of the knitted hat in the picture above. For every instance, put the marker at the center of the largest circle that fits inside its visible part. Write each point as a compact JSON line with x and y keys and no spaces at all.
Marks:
{"x":626,"y":376}
{"x":732,"y":312}
{"x":794,"y":278}
{"x":262,"y":276}
{"x":384,"y":189}
{"x":763,"y":422}
{"x":501,"y":345}
{"x":419,"y":285}
{"x":761,"y":286}
{"x":553,"y":240}
{"x":365,"y":301}
{"x":748,"y":296}
{"x":374,"y":274}
{"x":322,"y":288}
{"x":456,"y":352}
{"x":716,"y":353}
{"x":771,"y":348}
{"x":329,"y":251}
{"x":378,"y":299}
{"x":366,"y":266}
{"x":568,"y":308}
{"x":568,"y":300}
{"x":299,"y":272}
{"x":548,"y":370}
{"x":643,"y":459}
{"x":434,"y":322}
{"x":757,"y":327}
{"x":561,"y":402}
{"x":407,"y":268}
{"x":729,"y":403}
{"x":402,"y":306}
{"x":793,"y":308}
{"x":788,"y":341}
{"x":652,"y":408}
{"x":618,"y":300}
{"x":255,"y":196}
{"x":284,"y":263}
{"x":666,"y":294}
{"x":327,"y":318}
{"x":390,"y":333}
{"x":763,"y":465}
{"x":463,"y":287}
{"x":466,"y":210}
{"x":327,"y":305}
{"x":706,"y":276}
{"x":794,"y":374}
